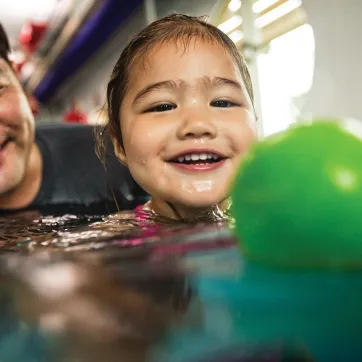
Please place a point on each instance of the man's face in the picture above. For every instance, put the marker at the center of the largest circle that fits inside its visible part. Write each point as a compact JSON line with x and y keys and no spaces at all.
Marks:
{"x":16,"y":130}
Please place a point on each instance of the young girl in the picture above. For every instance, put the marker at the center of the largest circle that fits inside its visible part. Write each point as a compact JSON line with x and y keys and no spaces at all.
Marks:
{"x":181,"y":115}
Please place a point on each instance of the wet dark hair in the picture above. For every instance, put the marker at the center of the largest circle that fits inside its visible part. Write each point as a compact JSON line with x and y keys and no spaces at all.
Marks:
{"x":176,"y":27}
{"x":4,"y":45}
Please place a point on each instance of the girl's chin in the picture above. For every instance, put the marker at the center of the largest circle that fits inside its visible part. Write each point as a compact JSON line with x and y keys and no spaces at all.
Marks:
{"x":203,"y":203}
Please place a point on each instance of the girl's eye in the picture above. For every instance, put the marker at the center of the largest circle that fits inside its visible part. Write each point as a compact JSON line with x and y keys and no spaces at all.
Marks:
{"x":162,"y":108}
{"x":222,"y":103}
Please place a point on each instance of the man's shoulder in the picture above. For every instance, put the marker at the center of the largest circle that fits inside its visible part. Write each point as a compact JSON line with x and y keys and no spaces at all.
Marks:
{"x":73,"y":173}
{"x":69,"y":145}
{"x":63,"y":139}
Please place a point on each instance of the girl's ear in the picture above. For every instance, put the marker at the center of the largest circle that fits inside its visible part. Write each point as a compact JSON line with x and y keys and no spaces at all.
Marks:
{"x":119,"y":151}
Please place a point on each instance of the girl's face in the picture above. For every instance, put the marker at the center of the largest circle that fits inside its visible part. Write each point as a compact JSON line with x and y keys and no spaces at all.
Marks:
{"x":186,"y":121}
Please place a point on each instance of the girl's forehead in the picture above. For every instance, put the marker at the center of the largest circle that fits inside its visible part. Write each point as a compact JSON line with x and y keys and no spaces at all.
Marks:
{"x":178,"y":56}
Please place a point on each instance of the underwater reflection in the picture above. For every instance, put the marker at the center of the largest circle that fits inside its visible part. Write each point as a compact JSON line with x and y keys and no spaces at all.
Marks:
{"x":157,"y":302}
{"x":86,"y":309}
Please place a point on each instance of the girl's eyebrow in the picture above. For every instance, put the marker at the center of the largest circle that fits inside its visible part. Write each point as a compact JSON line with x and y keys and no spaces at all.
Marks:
{"x":171,"y":84}
{"x":219,"y":81}
{"x":167,"y":84}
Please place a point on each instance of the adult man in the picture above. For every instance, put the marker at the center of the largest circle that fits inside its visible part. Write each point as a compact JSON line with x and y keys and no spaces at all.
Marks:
{"x":55,"y":166}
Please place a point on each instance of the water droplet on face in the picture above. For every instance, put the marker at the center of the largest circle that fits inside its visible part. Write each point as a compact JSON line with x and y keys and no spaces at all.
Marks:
{"x":185,"y":186}
{"x":203,"y":186}
{"x":164,"y":180}
{"x":196,"y":186}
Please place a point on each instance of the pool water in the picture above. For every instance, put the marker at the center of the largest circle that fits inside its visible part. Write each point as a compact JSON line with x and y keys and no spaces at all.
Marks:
{"x":123,"y":289}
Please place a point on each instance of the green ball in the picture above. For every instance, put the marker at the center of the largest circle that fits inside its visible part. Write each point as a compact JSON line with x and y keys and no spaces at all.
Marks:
{"x":297,"y":198}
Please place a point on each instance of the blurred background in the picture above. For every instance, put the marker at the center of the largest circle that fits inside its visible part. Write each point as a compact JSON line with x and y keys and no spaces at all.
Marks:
{"x":65,"y":50}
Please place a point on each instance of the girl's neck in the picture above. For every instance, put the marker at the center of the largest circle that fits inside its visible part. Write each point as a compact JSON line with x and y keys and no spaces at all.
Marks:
{"x":184,"y":213}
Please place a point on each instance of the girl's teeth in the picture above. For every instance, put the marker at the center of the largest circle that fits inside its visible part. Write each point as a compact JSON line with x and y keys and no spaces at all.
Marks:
{"x":198,"y":157}
{"x":201,"y":156}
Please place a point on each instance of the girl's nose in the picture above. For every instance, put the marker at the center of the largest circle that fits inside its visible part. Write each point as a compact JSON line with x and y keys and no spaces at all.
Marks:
{"x":196,"y":125}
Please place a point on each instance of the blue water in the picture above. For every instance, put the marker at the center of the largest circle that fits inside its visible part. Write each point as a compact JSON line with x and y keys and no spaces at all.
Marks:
{"x":257,"y":306}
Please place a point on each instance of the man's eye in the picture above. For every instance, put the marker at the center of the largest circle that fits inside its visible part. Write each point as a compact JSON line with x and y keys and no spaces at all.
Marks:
{"x":162,"y":108}
{"x":221,"y":103}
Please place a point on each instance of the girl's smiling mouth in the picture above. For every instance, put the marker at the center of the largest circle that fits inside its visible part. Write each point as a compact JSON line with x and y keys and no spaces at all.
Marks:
{"x":198,"y":160}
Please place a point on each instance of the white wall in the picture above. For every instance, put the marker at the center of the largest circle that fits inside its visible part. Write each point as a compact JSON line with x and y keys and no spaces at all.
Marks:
{"x":285,"y":77}
{"x":336,"y":89}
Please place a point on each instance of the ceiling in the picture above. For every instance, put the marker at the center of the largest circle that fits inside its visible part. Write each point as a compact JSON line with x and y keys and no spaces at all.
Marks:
{"x":14,"y":13}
